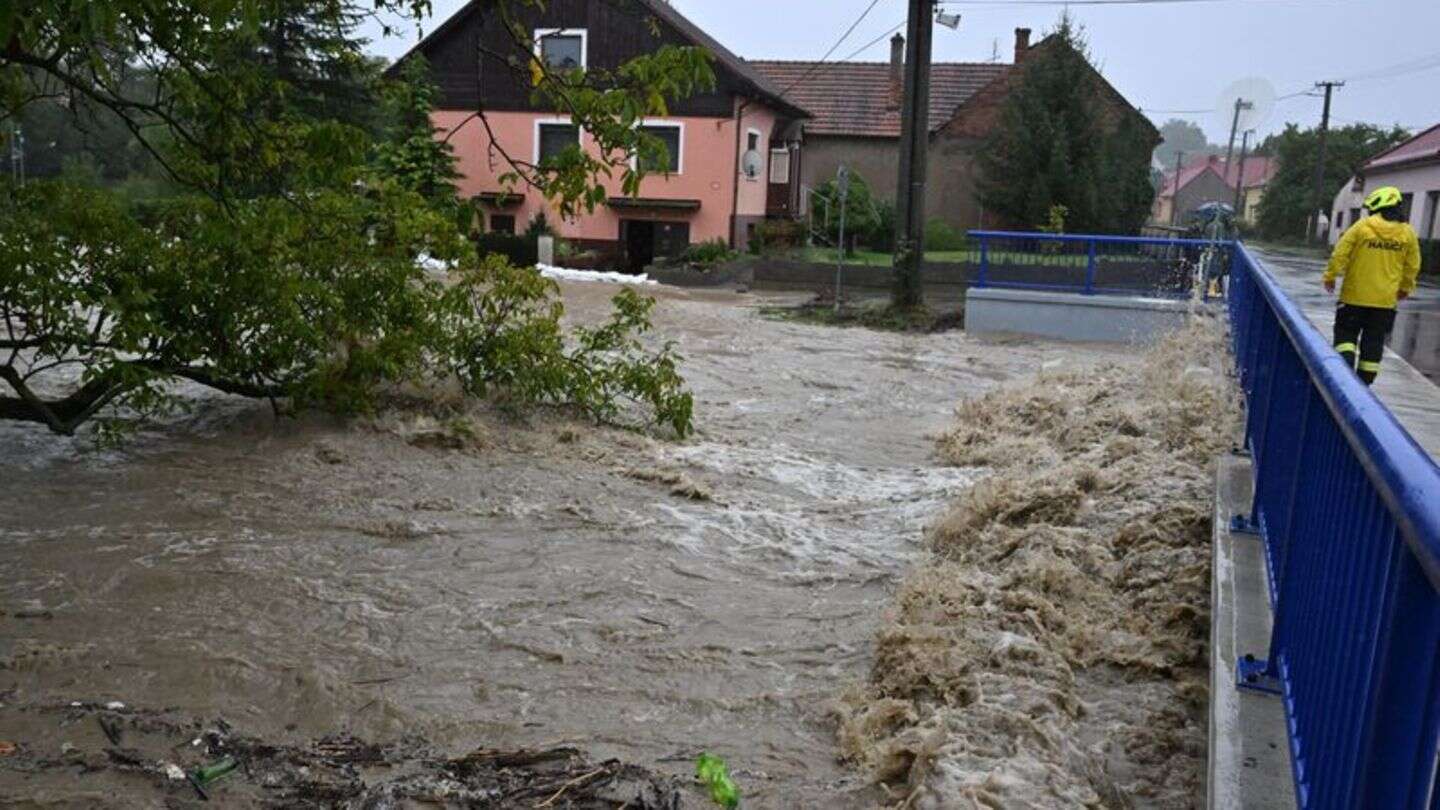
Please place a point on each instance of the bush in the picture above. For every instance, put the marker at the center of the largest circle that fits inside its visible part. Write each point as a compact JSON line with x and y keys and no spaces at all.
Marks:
{"x":539,"y":226}
{"x":862,"y":212}
{"x":322,"y":306}
{"x":711,"y":251}
{"x":774,"y":235}
{"x":881,"y":236}
{"x":517,"y":346}
{"x":940,"y":235}
{"x":522,"y":250}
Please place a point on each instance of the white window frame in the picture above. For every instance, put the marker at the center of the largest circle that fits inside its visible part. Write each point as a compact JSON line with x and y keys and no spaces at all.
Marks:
{"x":785,"y":152}
{"x":663,"y":122}
{"x":540,"y":122}
{"x":760,"y":149}
{"x":584,"y":34}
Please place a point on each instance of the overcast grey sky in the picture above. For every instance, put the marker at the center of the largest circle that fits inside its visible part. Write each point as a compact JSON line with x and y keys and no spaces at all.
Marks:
{"x":1171,"y":56}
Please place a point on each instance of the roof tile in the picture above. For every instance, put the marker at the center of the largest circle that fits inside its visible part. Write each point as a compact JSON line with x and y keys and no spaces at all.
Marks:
{"x":857,"y":99}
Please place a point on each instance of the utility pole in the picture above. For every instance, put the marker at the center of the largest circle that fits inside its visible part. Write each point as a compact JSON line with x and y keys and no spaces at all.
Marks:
{"x":1175,"y":195}
{"x":842,"y":190}
{"x":1240,"y":104}
{"x":1313,"y":220}
{"x":914,"y":139}
{"x":1240,"y":175}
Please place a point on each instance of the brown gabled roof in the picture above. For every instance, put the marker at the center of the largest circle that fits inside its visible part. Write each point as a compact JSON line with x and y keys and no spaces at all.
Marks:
{"x":745,"y":71}
{"x":754,"y":81}
{"x":858,"y":99}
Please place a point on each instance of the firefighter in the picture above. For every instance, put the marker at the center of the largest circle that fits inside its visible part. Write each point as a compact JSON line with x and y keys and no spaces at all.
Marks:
{"x":1379,"y":256}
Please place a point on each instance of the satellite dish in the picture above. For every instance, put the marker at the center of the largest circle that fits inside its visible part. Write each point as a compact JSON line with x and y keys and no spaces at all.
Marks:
{"x":1255,"y":98}
{"x":751,"y":163}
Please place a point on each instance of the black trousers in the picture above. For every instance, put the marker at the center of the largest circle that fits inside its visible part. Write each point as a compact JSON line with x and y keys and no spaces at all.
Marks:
{"x":1360,"y":333}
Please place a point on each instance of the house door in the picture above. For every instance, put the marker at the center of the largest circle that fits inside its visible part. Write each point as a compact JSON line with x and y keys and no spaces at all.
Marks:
{"x":638,"y":238}
{"x":645,"y":240}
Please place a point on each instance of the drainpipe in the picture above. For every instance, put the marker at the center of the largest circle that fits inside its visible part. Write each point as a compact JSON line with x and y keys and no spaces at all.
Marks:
{"x":735,"y":187}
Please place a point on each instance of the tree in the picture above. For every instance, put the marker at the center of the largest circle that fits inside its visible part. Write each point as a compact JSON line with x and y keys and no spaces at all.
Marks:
{"x":1286,"y":205}
{"x":409,"y":150}
{"x":1056,"y":144}
{"x":863,"y":214}
{"x":290,"y":268}
{"x":1183,"y":136}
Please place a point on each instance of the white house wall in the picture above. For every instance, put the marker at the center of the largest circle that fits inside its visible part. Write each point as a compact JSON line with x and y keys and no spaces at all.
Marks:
{"x":1420,"y":181}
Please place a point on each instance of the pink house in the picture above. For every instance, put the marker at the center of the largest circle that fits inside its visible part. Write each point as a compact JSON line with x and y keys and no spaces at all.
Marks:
{"x":733,"y":153}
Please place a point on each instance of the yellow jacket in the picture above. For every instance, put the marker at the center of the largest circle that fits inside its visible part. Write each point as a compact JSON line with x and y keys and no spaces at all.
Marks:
{"x":1378,"y":258}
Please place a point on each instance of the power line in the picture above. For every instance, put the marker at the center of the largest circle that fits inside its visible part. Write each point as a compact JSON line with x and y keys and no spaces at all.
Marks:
{"x":872,"y":43}
{"x":848,"y":31}
{"x":1419,"y":65}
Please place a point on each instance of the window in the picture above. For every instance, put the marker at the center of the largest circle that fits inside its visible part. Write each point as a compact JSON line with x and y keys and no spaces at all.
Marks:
{"x":1354,"y":215}
{"x":502,"y":223}
{"x":672,"y":136}
{"x":779,"y":166}
{"x":1339,"y":224}
{"x":1407,"y":201}
{"x":1427,"y":225}
{"x":553,"y":138}
{"x":752,"y":141}
{"x":561,"y":48}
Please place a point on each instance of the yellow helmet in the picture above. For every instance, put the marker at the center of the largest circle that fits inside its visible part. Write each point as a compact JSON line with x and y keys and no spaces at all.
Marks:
{"x":1381,"y":198}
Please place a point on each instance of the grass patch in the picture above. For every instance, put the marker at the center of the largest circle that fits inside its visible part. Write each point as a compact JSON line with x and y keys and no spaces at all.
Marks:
{"x":874,"y":258}
{"x":877,"y":315}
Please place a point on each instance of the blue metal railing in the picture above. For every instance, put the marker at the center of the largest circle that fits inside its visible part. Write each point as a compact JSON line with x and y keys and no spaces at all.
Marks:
{"x":1087,"y":264}
{"x":1348,"y":506}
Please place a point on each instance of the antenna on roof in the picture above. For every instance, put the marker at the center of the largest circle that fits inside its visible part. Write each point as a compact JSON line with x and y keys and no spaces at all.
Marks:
{"x":995,"y":50}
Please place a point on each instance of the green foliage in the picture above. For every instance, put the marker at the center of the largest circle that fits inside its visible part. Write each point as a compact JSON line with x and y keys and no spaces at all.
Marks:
{"x":539,"y":226}
{"x":774,"y":235}
{"x":1287,"y":204}
{"x":711,"y":251}
{"x":410,"y":154}
{"x":941,"y":236}
{"x":882,"y":235}
{"x":862,"y":213}
{"x":287,"y":269}
{"x":517,"y":345}
{"x":1183,"y":136}
{"x":1054,"y":220}
{"x":1058,"y":143}
{"x":327,"y":310}
{"x":712,"y":773}
{"x":608,"y":105}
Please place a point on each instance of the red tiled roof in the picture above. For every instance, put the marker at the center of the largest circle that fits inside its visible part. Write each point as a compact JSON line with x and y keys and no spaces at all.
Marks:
{"x":856,"y":98}
{"x":1259,"y":171}
{"x":1421,"y":147}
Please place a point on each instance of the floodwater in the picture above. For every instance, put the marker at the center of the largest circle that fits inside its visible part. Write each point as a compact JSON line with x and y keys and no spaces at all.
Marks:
{"x":543,"y":585}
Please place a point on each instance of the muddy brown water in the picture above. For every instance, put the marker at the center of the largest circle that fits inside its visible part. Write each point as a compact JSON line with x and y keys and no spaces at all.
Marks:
{"x":299,"y":578}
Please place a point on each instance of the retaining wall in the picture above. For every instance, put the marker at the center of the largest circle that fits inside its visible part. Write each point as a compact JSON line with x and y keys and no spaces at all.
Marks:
{"x":1072,"y":316}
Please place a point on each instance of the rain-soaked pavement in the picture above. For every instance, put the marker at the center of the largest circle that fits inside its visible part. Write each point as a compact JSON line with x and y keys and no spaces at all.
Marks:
{"x":1408,"y":376}
{"x":544,"y":586}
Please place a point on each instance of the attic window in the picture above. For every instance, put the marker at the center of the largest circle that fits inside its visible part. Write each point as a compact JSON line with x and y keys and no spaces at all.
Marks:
{"x":561,"y":48}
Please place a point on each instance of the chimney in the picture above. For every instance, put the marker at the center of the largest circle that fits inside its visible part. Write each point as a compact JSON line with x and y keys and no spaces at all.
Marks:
{"x":897,"y":70}
{"x":1022,"y":44}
